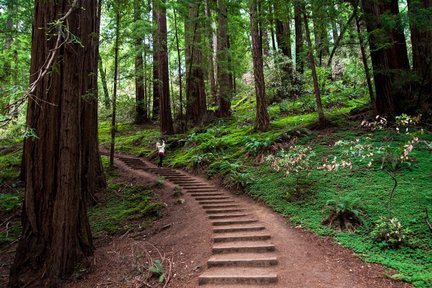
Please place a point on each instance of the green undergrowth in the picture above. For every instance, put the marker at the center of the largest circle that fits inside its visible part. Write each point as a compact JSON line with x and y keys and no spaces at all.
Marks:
{"x":135,"y":139}
{"x":125,"y":207}
{"x":11,"y":191}
{"x":234,"y":150}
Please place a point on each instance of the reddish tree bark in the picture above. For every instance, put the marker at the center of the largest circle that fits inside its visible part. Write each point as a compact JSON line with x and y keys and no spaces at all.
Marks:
{"x":421,"y":39}
{"x":166,"y":123}
{"x":298,"y":37}
{"x":155,"y":111}
{"x":56,"y":233}
{"x":141,"y":107}
{"x":262,"y":117}
{"x":224,"y":81}
{"x":389,"y":57}
{"x":195,"y":87}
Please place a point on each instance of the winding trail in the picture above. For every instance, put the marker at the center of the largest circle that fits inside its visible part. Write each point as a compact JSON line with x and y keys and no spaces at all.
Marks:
{"x":252,"y":246}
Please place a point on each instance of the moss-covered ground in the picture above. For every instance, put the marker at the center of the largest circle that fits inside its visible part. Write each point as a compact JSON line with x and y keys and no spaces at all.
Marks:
{"x":231,"y":148}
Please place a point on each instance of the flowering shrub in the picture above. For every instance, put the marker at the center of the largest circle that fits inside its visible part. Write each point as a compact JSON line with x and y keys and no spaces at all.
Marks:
{"x":295,"y":159}
{"x":390,"y":233}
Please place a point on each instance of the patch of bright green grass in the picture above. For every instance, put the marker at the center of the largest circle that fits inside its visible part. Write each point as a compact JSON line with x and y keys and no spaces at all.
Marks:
{"x":130,"y":138}
{"x":126,"y":207}
{"x":11,"y":195}
{"x":372,"y":187}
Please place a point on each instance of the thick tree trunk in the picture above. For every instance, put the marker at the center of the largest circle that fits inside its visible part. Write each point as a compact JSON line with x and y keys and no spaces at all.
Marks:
{"x":283,"y":36}
{"x":141,"y":108}
{"x":389,"y":58}
{"x":156,"y":96}
{"x":224,"y":83}
{"x":195,"y":88}
{"x":321,"y":117}
{"x":421,"y":39}
{"x":211,"y":68}
{"x":56,"y":233}
{"x":298,"y":38}
{"x":166,"y":123}
{"x":93,"y":178}
{"x":262,"y":117}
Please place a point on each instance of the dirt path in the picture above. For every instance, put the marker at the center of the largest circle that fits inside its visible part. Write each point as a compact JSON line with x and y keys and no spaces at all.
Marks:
{"x":218,"y":239}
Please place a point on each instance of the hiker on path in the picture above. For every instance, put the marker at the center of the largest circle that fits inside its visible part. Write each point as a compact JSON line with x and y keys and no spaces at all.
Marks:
{"x":161,"y":151}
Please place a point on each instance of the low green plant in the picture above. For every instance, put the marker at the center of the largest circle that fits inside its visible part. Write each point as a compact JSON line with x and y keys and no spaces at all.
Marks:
{"x":255,"y":146}
{"x":390,"y":233}
{"x":343,"y":214}
{"x":156,"y":269}
{"x":9,"y":202}
{"x":204,"y":159}
{"x":237,"y":180}
{"x":160,"y":182}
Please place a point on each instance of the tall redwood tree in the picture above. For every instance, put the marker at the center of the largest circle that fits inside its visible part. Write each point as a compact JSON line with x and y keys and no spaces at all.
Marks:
{"x":166,"y":123}
{"x":195,"y":88}
{"x":56,"y":233}
{"x":224,"y":81}
{"x":389,"y":57}
{"x":262,"y":117}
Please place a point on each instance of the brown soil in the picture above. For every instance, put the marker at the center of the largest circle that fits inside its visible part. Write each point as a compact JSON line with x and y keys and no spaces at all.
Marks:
{"x":182,"y":239}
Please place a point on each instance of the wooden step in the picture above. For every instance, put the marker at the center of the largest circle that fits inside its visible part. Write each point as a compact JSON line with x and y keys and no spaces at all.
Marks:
{"x":220,"y":206}
{"x":246,"y":247}
{"x":200,"y":198}
{"x":241,"y":237}
{"x":207,"y":194}
{"x":216,"y":202}
{"x":242,"y":260}
{"x":224,"y":210}
{"x":225,"y":216}
{"x":233,"y":222}
{"x":236,"y":228}
{"x":238,"y":275}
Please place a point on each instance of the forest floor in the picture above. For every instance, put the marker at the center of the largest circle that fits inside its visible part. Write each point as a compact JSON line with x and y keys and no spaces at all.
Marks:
{"x":182,"y":240}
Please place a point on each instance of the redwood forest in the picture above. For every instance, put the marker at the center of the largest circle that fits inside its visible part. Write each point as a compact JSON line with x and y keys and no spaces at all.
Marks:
{"x":216,"y":143}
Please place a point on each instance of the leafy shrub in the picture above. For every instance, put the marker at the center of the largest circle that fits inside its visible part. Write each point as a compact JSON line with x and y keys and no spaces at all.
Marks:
{"x":237,"y":180}
{"x":390,"y":233}
{"x":202,"y":159}
{"x":222,"y":167}
{"x":160,"y":182}
{"x":255,"y":146}
{"x":9,"y":202}
{"x":343,"y":213}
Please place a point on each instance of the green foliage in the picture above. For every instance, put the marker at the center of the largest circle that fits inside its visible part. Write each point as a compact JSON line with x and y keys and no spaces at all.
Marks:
{"x":343,"y":213}
{"x":9,"y":202}
{"x":238,"y":180}
{"x":202,"y":160}
{"x":157,"y":270}
{"x":160,"y":182}
{"x":255,"y":146}
{"x":390,"y":233}
{"x":126,"y":207}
